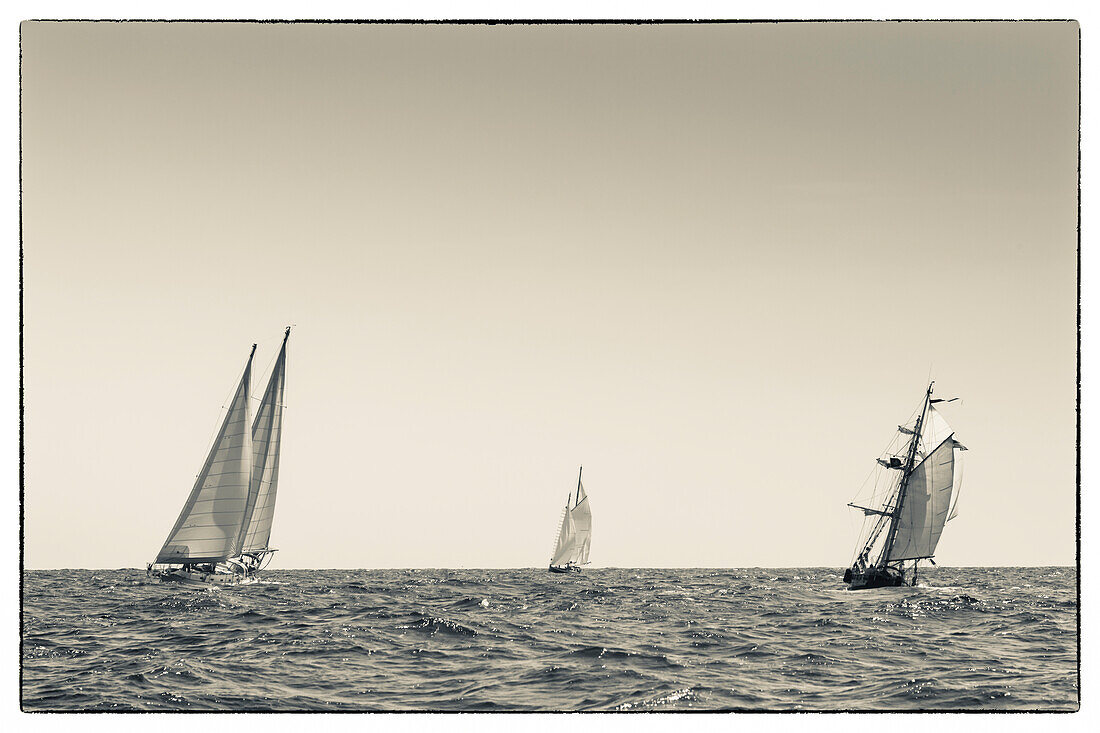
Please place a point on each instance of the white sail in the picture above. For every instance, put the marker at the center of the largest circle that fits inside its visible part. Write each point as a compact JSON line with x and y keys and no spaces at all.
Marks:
{"x":926,"y":504}
{"x":209,"y":527}
{"x":582,"y":522}
{"x":557,"y":536}
{"x":266,"y":441}
{"x":958,"y":482}
{"x":934,"y":431}
{"x":565,"y":547}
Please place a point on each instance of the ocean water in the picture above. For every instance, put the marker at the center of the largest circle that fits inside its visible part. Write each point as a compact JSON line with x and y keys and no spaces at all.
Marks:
{"x":525,"y":640}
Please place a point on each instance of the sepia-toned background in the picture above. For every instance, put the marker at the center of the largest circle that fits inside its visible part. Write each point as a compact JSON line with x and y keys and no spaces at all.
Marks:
{"x":715,"y":264}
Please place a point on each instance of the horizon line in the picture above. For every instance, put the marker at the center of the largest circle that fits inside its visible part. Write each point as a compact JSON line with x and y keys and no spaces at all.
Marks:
{"x":602,"y":567}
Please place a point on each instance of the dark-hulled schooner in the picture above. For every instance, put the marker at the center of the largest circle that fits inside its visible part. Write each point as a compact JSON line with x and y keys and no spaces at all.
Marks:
{"x":917,"y":482}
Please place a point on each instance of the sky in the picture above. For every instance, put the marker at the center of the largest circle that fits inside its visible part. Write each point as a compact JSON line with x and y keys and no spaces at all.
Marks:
{"x":714,"y":264}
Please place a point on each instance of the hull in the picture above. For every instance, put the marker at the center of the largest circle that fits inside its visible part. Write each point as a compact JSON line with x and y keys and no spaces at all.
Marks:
{"x":564,"y":569}
{"x":200,"y":579}
{"x":873,"y":578}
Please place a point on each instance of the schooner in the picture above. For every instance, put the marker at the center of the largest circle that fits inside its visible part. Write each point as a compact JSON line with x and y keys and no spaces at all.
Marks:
{"x":222,"y":534}
{"x":574,"y":533}
{"x":918,"y":480}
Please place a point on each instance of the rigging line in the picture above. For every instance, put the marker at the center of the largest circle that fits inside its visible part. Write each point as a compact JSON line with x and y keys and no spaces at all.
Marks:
{"x":851,"y":525}
{"x":871,"y":473}
{"x":887,"y":449}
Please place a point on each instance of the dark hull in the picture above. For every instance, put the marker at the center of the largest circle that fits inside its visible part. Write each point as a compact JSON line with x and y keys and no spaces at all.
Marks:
{"x":564,"y":569}
{"x":873,"y":578}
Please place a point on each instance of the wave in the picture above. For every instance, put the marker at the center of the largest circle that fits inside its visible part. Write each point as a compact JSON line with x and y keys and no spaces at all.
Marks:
{"x":609,"y":640}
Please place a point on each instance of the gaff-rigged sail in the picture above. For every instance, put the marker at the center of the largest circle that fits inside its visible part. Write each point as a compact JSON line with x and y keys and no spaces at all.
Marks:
{"x":926,"y":505}
{"x":266,"y":440}
{"x":209,"y":527}
{"x":582,"y":522}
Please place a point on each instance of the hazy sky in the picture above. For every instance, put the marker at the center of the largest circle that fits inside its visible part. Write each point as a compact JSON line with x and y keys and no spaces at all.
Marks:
{"x":715,"y":264}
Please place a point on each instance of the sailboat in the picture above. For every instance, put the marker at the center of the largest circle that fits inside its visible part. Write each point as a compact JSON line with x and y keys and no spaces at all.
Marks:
{"x":574,"y":533}
{"x":919,"y":476}
{"x":222,"y":535}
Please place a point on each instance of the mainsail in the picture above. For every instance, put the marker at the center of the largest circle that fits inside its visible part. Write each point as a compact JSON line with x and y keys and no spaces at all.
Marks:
{"x":926,"y":505}
{"x":209,"y":527}
{"x":582,"y":521}
{"x":266,"y":441}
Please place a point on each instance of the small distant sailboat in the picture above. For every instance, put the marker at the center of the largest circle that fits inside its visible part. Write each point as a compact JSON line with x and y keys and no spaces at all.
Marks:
{"x":574,"y":534}
{"x":222,"y":535}
{"x":921,"y":477}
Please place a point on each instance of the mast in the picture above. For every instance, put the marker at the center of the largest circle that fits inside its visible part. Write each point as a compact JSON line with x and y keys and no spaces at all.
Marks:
{"x":578,"y":499}
{"x":910,"y":459}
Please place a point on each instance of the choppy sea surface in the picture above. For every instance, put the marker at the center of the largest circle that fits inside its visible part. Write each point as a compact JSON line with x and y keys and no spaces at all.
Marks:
{"x":525,"y":640}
